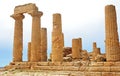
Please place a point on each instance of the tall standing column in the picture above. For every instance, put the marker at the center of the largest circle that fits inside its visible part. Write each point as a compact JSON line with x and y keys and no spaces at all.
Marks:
{"x":36,"y":39}
{"x":111,"y":34}
{"x":57,"y":39}
{"x":18,"y":37}
{"x":43,"y":44}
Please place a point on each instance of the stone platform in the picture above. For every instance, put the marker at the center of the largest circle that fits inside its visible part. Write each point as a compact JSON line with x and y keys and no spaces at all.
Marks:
{"x":80,"y":68}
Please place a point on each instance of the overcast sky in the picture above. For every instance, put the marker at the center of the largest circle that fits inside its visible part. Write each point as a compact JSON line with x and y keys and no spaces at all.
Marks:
{"x":80,"y":18}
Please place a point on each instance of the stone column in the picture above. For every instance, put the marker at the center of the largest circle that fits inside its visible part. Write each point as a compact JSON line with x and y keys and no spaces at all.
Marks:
{"x":36,"y":39}
{"x":43,"y":44}
{"x":96,"y":52}
{"x":57,"y":39}
{"x":76,"y":49}
{"x":111,"y":34}
{"x":18,"y":37}
{"x":29,"y":51}
{"x":94,"y":46}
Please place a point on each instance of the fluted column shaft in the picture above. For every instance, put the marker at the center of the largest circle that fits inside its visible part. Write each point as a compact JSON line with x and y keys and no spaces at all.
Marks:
{"x":111,"y":37}
{"x":18,"y":37}
{"x":57,"y":39}
{"x":43,"y":44}
{"x":35,"y":40}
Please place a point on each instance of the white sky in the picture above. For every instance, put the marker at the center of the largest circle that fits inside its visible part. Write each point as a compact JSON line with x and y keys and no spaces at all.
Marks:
{"x":80,"y":18}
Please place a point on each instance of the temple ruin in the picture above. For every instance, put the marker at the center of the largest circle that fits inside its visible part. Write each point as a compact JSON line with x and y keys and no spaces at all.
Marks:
{"x":73,"y":60}
{"x":34,"y":48}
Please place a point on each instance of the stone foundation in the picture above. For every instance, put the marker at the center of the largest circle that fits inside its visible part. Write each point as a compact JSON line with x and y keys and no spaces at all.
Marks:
{"x":84,"y":68}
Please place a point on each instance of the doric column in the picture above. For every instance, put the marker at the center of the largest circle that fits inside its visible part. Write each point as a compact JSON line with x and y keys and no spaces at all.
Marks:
{"x":18,"y":37}
{"x":111,"y":34}
{"x":76,"y":49}
{"x":35,"y":40}
{"x":43,"y":44}
{"x":29,"y":51}
{"x":57,"y":39}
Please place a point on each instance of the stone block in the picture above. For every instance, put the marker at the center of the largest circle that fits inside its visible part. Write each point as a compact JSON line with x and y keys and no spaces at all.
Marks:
{"x":55,"y":63}
{"x":83,"y":68}
{"x":117,"y":74}
{"x":117,"y":64}
{"x":12,"y":63}
{"x":115,"y":69}
{"x":106,"y":69}
{"x":92,"y":73}
{"x":96,"y":64}
{"x":77,"y":74}
{"x":109,"y":63}
{"x":99,"y":69}
{"x":70,"y":68}
{"x":67,"y":64}
{"x":77,"y":63}
{"x":43,"y":63}
{"x":56,"y":68}
{"x":39,"y":67}
{"x":25,"y":8}
{"x":108,"y":74}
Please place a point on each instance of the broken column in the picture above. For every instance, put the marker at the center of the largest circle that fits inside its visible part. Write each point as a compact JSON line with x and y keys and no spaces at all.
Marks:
{"x":76,"y":48}
{"x":57,"y":39}
{"x":96,"y":53}
{"x":18,"y":37}
{"x":29,"y":51}
{"x":94,"y":50}
{"x":36,"y":39}
{"x":94,"y":46}
{"x":43,"y":44}
{"x":111,"y":34}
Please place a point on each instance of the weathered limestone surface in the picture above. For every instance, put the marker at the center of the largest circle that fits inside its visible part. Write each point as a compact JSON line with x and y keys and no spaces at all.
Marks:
{"x":96,"y":53}
{"x":94,"y":49}
{"x":29,"y":51}
{"x":85,"y":55}
{"x":67,"y":51}
{"x":18,"y":37}
{"x":111,"y":34}
{"x":57,"y":39}
{"x":76,"y":49}
{"x":25,"y":8}
{"x":43,"y":44}
{"x":36,"y":37}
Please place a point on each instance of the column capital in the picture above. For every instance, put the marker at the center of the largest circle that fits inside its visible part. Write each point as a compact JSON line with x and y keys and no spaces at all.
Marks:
{"x":36,"y":13}
{"x":17,"y":16}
